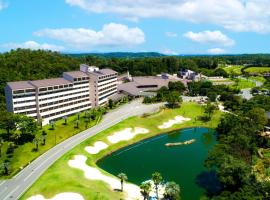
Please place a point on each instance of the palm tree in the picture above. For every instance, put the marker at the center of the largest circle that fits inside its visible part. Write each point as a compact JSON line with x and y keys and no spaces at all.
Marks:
{"x":52,"y":125}
{"x":77,"y":124}
{"x":122,"y":177}
{"x":1,"y":145}
{"x":35,"y":141}
{"x":172,"y":191}
{"x":65,"y":119}
{"x":43,"y":137}
{"x":145,"y":189}
{"x":5,"y":165}
{"x":157,"y":179}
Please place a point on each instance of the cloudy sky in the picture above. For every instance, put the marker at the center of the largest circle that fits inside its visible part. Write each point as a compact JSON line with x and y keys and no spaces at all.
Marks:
{"x":166,"y":26}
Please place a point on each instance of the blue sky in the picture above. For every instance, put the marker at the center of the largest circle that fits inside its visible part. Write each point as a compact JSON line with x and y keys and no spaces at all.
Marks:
{"x":171,"y":26}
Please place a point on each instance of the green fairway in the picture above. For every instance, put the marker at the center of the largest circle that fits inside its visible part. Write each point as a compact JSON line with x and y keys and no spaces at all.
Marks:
{"x":24,"y":154}
{"x":257,"y":78}
{"x":233,"y":69}
{"x":258,"y":70}
{"x":61,"y":178}
{"x":243,"y":84}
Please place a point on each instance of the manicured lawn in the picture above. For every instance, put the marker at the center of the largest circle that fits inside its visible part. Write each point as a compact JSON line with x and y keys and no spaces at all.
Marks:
{"x":233,"y":69}
{"x":257,"y":78}
{"x":25,"y":154}
{"x":243,"y":84}
{"x":257,"y":69}
{"x":61,"y":178}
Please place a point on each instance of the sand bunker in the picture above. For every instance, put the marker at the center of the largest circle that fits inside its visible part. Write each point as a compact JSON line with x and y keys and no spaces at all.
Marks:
{"x":96,"y":148}
{"x":92,"y":173}
{"x":61,"y":196}
{"x":176,"y":120}
{"x":126,"y":134}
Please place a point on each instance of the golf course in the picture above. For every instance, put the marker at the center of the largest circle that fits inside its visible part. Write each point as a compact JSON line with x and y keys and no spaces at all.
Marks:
{"x":79,"y":173}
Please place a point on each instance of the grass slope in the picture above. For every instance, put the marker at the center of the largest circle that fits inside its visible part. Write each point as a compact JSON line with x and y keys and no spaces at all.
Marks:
{"x":257,"y":70}
{"x":243,"y":84}
{"x":25,"y":154}
{"x":61,"y":178}
{"x":233,"y":69}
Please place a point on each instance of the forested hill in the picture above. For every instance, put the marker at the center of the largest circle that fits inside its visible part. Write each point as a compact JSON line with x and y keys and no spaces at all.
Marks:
{"x":25,"y":64}
{"x":120,"y":55}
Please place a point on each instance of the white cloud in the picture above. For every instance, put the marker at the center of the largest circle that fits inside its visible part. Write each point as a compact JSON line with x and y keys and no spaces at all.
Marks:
{"x":210,"y":37}
{"x":3,"y":5}
{"x":236,"y":15}
{"x":168,"y":52}
{"x":32,"y":45}
{"x":216,"y":51}
{"x":111,"y":35}
{"x":171,"y":34}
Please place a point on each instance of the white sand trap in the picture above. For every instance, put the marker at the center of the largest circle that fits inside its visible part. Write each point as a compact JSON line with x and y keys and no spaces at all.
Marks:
{"x":92,"y":173}
{"x":98,"y":146}
{"x":61,"y":196}
{"x":177,"y":120}
{"x":126,"y":134}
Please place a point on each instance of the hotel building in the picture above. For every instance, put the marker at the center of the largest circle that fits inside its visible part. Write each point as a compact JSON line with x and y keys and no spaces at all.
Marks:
{"x":51,"y":99}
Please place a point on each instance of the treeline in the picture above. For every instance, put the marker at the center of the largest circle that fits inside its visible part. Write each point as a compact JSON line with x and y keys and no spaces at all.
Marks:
{"x":25,"y":64}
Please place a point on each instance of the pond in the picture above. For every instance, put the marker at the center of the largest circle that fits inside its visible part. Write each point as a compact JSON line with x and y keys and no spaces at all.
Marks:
{"x":182,"y":164}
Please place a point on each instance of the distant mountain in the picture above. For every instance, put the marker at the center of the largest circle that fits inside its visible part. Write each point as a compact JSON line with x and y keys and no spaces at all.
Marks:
{"x":121,"y":55}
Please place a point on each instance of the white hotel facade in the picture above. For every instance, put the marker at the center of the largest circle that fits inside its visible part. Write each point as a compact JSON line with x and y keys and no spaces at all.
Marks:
{"x":51,"y":99}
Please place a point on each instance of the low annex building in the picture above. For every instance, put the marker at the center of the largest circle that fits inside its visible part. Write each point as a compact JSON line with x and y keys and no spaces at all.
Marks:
{"x":145,"y":85}
{"x":50,"y":99}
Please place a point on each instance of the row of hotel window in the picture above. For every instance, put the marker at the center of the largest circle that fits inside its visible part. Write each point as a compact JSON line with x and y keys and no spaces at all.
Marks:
{"x":100,"y":81}
{"x":105,"y":88}
{"x":105,"y":83}
{"x":57,"y":87}
{"x":107,"y":76}
{"x":64,"y":105}
{"x":68,"y":110}
{"x":52,"y":92}
{"x":64,"y":100}
{"x":57,"y":113}
{"x":102,"y":93}
{"x":53,"y":103}
{"x":101,"y":98}
{"x":32,"y":91}
{"x":45,"y":99}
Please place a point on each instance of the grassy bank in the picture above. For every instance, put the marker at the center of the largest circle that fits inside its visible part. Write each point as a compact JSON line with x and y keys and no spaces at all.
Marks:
{"x":61,"y":178}
{"x":25,"y":153}
{"x":258,"y":70}
{"x":243,"y":84}
{"x":233,"y":69}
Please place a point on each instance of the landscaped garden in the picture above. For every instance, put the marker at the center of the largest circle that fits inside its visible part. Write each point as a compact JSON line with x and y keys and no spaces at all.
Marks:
{"x":61,"y":178}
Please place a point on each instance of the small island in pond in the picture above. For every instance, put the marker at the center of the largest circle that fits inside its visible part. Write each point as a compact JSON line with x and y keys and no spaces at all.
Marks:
{"x":180,"y":143}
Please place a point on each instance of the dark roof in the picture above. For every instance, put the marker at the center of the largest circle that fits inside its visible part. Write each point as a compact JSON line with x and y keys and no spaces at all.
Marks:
{"x":50,"y":82}
{"x":76,"y":74}
{"x":135,"y":87}
{"x":107,"y":71}
{"x":20,"y":85}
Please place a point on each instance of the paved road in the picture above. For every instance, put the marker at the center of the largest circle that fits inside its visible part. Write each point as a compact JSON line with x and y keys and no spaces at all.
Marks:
{"x":13,"y":189}
{"x":246,"y":93}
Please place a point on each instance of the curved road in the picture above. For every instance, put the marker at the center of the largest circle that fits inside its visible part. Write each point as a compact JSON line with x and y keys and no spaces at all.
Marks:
{"x":14,"y":188}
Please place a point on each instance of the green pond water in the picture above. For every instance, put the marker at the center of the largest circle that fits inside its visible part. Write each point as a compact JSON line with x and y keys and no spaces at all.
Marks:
{"x":182,"y":164}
